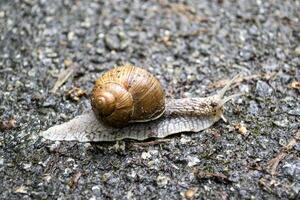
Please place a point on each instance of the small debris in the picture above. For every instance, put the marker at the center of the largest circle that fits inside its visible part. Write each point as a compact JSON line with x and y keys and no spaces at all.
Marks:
{"x":215,"y":133}
{"x":184,"y":139}
{"x":295,"y":85}
{"x":47,"y":177}
{"x":76,"y":93}
{"x":22,"y":189}
{"x":7,"y":125}
{"x":63,"y":76}
{"x":145,"y":155}
{"x":68,"y":62}
{"x":266,"y":184}
{"x":166,"y":40}
{"x":27,"y":166}
{"x":241,"y":128}
{"x":105,"y":177}
{"x":52,"y":55}
{"x":273,"y":163}
{"x":71,"y":36}
{"x":54,"y":146}
{"x":74,"y":180}
{"x":190,"y":193}
{"x":162,"y":180}
{"x":218,"y":177}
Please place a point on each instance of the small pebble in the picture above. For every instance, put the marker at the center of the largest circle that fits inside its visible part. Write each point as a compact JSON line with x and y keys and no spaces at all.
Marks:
{"x":296,"y":187}
{"x":192,"y":161}
{"x":263,"y":89}
{"x":71,"y":36}
{"x":27,"y":166}
{"x":297,"y":51}
{"x":2,"y":14}
{"x":96,"y":189}
{"x":145,"y":155}
{"x":297,"y":146}
{"x":112,"y":42}
{"x":295,"y":111}
{"x":293,"y":169}
{"x":185,"y":139}
{"x":162,"y":180}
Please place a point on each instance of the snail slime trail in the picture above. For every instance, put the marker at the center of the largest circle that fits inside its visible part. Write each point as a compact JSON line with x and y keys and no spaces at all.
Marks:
{"x":129,"y":103}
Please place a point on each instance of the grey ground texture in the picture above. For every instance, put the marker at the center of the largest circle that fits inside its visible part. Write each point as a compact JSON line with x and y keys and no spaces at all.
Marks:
{"x":193,"y":47}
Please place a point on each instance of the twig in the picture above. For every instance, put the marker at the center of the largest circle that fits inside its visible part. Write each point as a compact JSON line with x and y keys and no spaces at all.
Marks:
{"x":273,"y":163}
{"x":218,"y":177}
{"x":63,"y":77}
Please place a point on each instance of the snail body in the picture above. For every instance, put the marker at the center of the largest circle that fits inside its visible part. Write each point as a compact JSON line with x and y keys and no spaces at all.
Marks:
{"x":127,"y":94}
{"x":173,"y":115}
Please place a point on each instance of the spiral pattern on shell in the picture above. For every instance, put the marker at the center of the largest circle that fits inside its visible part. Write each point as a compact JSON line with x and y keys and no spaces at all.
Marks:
{"x":127,"y":94}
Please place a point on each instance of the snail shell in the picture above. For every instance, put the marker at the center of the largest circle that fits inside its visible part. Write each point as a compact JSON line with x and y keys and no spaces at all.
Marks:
{"x":181,"y":115}
{"x":127,"y":94}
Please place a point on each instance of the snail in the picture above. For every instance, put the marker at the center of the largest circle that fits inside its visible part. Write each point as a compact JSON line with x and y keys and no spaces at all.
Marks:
{"x":129,"y":103}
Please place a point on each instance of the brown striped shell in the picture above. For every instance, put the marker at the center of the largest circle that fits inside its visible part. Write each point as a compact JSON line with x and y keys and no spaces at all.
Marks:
{"x":127,"y":94}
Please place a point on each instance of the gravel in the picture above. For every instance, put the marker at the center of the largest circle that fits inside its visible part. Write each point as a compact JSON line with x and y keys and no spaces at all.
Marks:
{"x":263,"y":89}
{"x":190,"y":46}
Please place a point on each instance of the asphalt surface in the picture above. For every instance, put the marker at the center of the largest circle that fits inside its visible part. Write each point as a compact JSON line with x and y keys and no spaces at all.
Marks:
{"x":192,"y":47}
